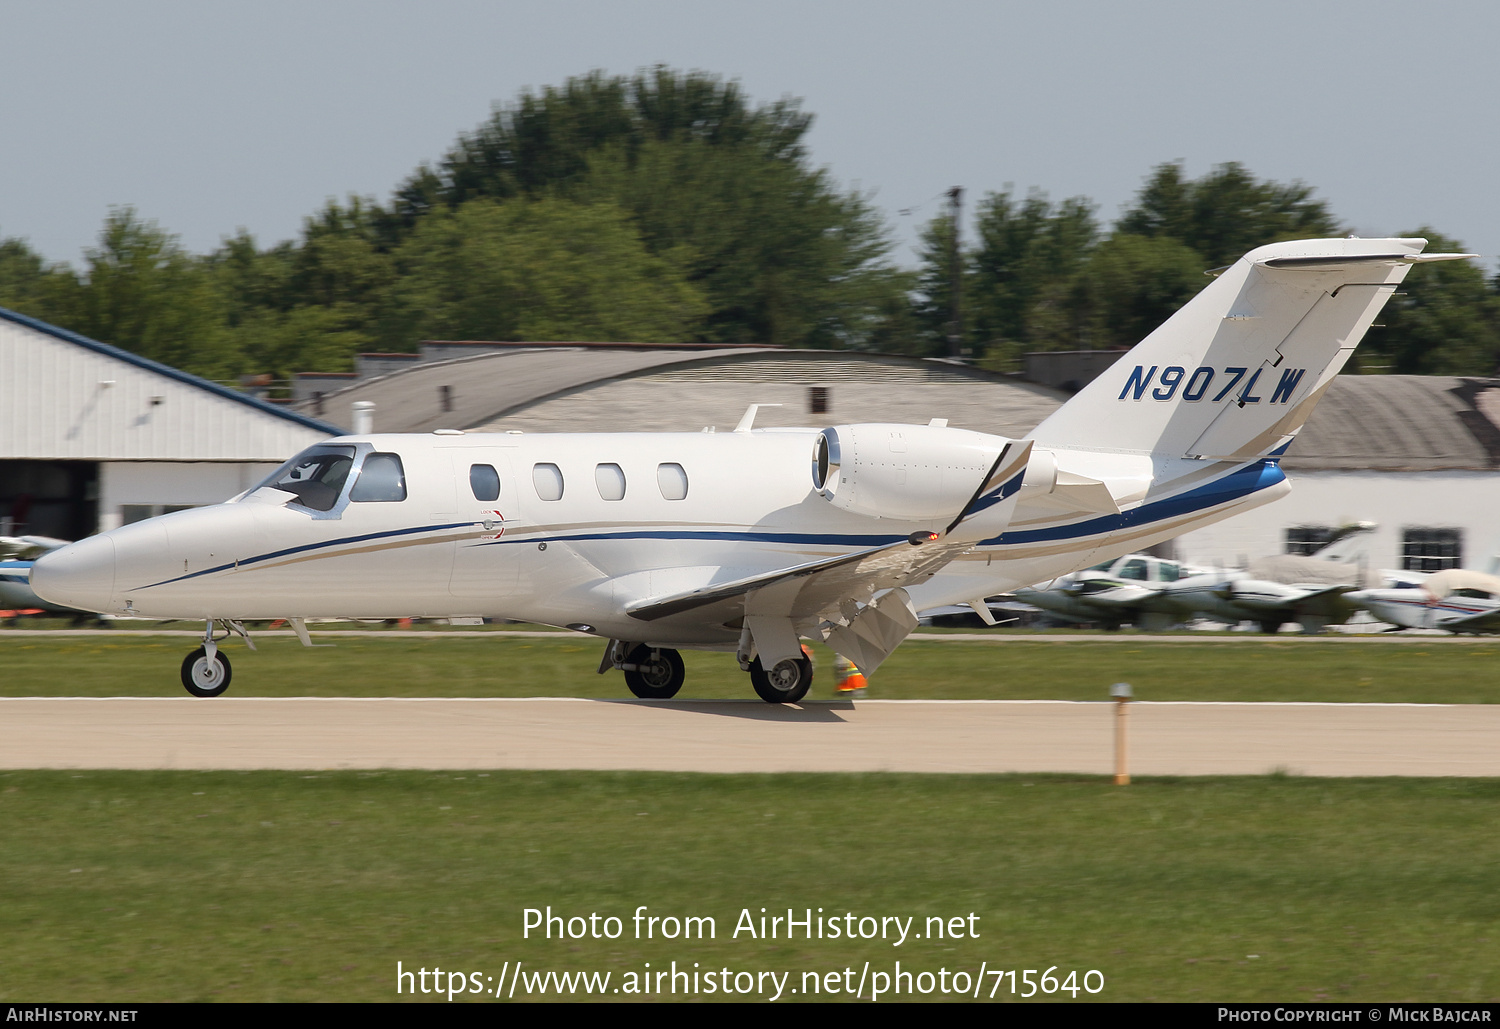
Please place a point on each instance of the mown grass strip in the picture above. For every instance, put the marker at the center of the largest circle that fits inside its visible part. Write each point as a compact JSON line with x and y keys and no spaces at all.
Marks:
{"x":1015,"y":669}
{"x":166,"y":886}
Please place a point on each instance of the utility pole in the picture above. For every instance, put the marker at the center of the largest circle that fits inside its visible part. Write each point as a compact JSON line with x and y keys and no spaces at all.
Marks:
{"x":955,"y":276}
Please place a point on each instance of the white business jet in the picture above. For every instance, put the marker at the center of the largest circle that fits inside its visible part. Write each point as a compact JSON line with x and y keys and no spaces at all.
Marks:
{"x":750,"y":541}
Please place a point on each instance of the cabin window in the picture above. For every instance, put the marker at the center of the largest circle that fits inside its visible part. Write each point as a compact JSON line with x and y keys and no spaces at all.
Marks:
{"x":548,"y":479}
{"x":381,"y":480}
{"x":484,"y":481}
{"x":1431,"y":550}
{"x":315,"y":477}
{"x":1168,"y":571}
{"x":610,"y":478}
{"x":1134,"y":569}
{"x":673,"y":481}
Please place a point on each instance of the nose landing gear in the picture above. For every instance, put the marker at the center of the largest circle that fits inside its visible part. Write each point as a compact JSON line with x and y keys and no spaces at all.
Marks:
{"x":205,"y":674}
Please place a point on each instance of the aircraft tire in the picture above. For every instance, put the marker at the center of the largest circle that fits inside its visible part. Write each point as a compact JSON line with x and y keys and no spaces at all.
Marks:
{"x":660,"y":682}
{"x":768,"y":690}
{"x":204,"y":678}
{"x":1270,"y":626}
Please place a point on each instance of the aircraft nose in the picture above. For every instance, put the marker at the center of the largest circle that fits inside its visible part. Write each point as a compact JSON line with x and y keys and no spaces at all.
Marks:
{"x":80,"y":575}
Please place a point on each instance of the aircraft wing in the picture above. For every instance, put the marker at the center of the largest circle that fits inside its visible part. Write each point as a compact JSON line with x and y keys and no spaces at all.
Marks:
{"x":809,"y":589}
{"x":836,"y":597}
{"x":1481,"y":621}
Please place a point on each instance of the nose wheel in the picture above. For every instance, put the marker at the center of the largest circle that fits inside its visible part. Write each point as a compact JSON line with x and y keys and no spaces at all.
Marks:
{"x":204,"y":674}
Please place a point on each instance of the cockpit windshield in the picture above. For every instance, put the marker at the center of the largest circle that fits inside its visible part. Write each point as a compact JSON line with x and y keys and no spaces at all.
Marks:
{"x":316,"y":476}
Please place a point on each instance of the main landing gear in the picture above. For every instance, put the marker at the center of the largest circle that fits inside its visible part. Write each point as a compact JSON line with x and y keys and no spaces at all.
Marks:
{"x":656,"y":673}
{"x":787,"y":683}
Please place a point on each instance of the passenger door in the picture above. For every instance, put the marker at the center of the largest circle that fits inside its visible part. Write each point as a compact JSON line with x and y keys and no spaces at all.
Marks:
{"x":484,"y":565}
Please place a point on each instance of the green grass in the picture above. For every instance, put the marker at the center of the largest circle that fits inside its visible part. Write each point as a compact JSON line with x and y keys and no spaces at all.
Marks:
{"x":178,"y":886}
{"x":1014,"y":668}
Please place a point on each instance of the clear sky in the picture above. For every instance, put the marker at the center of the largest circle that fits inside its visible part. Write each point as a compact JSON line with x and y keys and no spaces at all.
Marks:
{"x":208,"y":117}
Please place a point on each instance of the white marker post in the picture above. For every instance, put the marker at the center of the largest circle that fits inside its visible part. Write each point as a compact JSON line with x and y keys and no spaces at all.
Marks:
{"x":1121,"y":692}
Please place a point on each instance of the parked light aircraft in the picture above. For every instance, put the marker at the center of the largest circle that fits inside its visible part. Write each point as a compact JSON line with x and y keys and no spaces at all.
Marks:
{"x":1136,"y":588}
{"x":1311,"y":590}
{"x":1457,"y":600}
{"x":748,"y":541}
{"x":1153,"y":593}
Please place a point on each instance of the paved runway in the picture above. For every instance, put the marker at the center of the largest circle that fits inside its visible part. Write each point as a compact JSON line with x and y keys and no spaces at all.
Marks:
{"x":748,"y":736}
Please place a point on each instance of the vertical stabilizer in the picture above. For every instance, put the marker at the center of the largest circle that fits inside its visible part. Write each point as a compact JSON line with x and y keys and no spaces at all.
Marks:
{"x":1235,"y":372}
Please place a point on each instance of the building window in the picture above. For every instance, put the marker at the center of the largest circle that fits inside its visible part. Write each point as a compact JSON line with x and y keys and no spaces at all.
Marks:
{"x":1308,"y":539}
{"x":484,"y":481}
{"x":1431,"y":550}
{"x":672,"y":480}
{"x":610,"y":478}
{"x":548,"y":480}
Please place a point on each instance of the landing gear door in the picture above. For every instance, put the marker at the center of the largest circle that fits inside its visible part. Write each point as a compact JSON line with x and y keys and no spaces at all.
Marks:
{"x":483,"y":565}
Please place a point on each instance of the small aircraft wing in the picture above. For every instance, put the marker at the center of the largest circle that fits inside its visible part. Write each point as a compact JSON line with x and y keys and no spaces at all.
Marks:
{"x":1480,"y":621}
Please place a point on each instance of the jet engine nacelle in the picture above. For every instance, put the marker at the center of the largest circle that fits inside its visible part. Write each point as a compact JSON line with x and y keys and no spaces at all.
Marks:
{"x":906,"y":472}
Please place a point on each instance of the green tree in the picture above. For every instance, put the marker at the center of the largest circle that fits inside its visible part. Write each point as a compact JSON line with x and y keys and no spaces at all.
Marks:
{"x":541,"y":270}
{"x":716,"y":186}
{"x":1446,"y":320}
{"x":142,"y":292}
{"x":783,"y":258}
{"x":546,"y":138}
{"x":1130,"y":285}
{"x":1226,"y":212}
{"x":1024,"y":264}
{"x":23,"y":277}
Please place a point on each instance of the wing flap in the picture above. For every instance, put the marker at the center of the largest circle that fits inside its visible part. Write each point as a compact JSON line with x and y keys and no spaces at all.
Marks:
{"x":652,"y":608}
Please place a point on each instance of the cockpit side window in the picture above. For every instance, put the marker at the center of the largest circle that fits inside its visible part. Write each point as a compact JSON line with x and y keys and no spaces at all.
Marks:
{"x":381,"y":480}
{"x":1134,"y":569}
{"x":316,"y":476}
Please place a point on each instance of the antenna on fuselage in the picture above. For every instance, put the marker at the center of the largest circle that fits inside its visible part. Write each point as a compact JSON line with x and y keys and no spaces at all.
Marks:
{"x":749,"y":418}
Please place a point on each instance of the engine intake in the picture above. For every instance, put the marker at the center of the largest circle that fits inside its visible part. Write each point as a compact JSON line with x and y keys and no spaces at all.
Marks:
{"x":906,"y":472}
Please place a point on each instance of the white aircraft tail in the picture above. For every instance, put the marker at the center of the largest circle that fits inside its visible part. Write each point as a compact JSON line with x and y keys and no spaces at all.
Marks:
{"x":1235,"y":372}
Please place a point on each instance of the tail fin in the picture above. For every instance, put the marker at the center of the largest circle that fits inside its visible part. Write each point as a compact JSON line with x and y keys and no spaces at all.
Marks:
{"x":1234,"y":374}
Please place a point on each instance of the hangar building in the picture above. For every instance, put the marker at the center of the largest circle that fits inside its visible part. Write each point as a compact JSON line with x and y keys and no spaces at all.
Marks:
{"x":92,"y":436}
